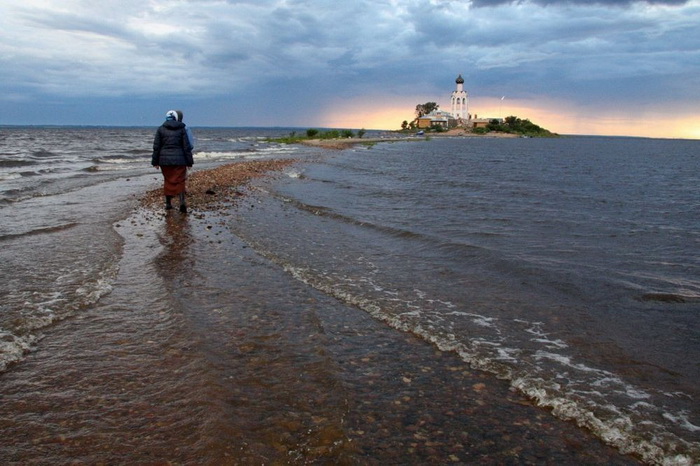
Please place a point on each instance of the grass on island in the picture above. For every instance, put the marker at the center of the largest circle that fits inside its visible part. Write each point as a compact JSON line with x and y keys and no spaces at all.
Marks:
{"x":312,"y":133}
{"x":511,"y":125}
{"x":515,"y":125}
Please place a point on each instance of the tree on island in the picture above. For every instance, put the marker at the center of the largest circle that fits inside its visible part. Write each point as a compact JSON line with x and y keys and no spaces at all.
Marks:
{"x":424,"y":109}
{"x":515,"y":125}
{"x":313,"y":133}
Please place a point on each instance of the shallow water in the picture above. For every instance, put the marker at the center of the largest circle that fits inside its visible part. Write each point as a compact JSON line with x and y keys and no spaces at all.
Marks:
{"x":61,"y":190}
{"x":383,"y":302}
{"x":207,"y":353}
{"x":566,"y":266}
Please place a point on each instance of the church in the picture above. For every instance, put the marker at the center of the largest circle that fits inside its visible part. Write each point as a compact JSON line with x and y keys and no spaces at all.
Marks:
{"x":459,"y":110}
{"x":460,"y":101}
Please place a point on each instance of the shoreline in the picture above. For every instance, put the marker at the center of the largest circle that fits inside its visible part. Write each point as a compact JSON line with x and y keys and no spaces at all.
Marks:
{"x":206,"y":188}
{"x":206,"y":351}
{"x":453,"y":133}
{"x":513,"y":410}
{"x":401,"y":396}
{"x":235,"y":362}
{"x":208,"y":304}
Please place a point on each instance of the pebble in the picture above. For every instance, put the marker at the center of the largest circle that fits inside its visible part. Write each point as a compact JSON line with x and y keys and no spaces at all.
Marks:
{"x":207,"y":189}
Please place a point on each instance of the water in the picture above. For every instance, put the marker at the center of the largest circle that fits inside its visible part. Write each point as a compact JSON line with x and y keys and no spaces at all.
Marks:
{"x":301,"y":324}
{"x":62,"y":189}
{"x":567,"y":266}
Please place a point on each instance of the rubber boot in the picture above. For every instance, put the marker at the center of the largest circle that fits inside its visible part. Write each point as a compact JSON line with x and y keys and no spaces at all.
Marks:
{"x":183,"y":206}
{"x":168,"y":202}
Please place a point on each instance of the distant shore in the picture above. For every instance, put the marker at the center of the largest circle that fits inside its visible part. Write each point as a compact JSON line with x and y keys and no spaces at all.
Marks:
{"x":456,"y":133}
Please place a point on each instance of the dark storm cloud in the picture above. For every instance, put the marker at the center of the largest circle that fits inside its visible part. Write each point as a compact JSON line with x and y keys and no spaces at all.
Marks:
{"x":299,"y":54}
{"x":620,"y":3}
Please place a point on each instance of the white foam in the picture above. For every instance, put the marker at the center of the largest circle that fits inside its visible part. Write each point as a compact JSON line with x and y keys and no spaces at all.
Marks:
{"x":42,"y":309}
{"x":552,"y":344}
{"x":120,"y":161}
{"x":9,"y":176}
{"x":535,"y":328}
{"x":247,"y":139}
{"x":567,"y":361}
{"x":642,"y":405}
{"x":636,"y":393}
{"x":222,"y":155}
{"x":508,"y":354}
{"x":447,"y":304}
{"x":552,"y":379}
{"x":484,"y":321}
{"x":109,"y":168}
{"x":678,"y":460}
{"x":682,"y":420}
{"x":13,"y":347}
{"x":283,"y":148}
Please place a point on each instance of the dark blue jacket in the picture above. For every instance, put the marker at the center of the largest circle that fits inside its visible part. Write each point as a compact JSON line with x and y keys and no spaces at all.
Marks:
{"x":171,"y":145}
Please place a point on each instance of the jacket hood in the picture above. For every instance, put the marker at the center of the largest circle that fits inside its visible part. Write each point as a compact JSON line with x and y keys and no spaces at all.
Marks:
{"x":170,"y":124}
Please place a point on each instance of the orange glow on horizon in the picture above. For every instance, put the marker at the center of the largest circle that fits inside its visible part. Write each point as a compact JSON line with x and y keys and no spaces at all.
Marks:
{"x":556,"y":116}
{"x":375,"y":113}
{"x":560,"y":117}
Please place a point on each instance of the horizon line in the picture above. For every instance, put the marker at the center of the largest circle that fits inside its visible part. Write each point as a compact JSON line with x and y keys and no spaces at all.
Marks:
{"x":4,"y":125}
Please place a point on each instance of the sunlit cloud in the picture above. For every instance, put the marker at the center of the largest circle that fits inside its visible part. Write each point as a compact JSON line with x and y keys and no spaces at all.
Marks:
{"x":376,"y":112}
{"x":358,"y":64}
{"x":557,"y":116}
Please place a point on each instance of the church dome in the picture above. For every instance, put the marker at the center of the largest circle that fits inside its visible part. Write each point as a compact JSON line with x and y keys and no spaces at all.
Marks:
{"x":460,"y":79}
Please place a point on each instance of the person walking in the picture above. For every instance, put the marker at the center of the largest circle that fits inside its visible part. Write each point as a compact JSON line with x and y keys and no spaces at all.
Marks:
{"x":172,"y":154}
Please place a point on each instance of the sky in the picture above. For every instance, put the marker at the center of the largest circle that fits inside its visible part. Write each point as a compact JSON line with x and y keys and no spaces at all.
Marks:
{"x":605,"y":67}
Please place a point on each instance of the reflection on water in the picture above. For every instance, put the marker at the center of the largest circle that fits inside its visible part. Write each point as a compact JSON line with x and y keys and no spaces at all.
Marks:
{"x":113,"y":384}
{"x":176,"y":238}
{"x":205,"y":353}
{"x":566,"y":266}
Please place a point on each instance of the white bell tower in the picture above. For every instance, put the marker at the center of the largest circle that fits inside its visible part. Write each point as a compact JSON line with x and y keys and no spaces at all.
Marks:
{"x":460,"y":101}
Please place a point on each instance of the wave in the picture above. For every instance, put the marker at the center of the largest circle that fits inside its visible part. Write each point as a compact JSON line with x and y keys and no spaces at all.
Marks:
{"x":106,"y":168}
{"x":44,"y":154}
{"x":43,"y":307}
{"x":9,"y":176}
{"x":223,"y":155}
{"x":513,"y":345}
{"x":669,"y":298}
{"x":248,"y":138}
{"x":256,"y":152}
{"x":574,"y":391}
{"x":39,"y":314}
{"x":39,"y":231}
{"x":26,"y":174}
{"x":120,"y":159}
{"x":448,"y":247}
{"x":16,"y":163}
{"x":14,"y":347}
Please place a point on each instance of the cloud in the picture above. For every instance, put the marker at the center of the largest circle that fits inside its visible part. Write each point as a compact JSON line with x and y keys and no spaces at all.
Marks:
{"x":293,"y":57}
{"x":620,"y":3}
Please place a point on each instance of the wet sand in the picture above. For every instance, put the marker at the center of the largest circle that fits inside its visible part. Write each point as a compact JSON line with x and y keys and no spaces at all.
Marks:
{"x":208,"y":188}
{"x":226,"y":359}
